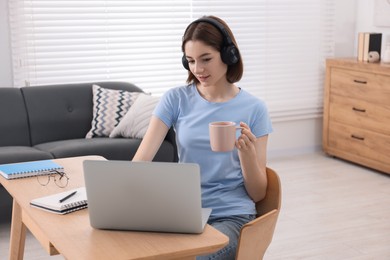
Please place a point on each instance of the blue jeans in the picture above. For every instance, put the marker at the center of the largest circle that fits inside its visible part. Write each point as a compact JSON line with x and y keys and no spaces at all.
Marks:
{"x":231,"y":227}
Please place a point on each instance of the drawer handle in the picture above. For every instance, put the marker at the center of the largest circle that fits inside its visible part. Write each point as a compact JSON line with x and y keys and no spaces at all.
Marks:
{"x":357,"y":137}
{"x":358,"y":110}
{"x":360,"y":81}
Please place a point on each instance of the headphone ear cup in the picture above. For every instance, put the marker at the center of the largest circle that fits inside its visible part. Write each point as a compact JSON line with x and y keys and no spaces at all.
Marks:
{"x":230,"y":55}
{"x":184,"y":61}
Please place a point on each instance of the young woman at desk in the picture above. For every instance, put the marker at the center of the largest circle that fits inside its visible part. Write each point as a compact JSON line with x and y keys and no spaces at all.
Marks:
{"x":231,"y":181}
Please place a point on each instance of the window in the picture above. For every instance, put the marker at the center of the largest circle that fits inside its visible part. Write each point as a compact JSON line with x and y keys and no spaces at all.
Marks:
{"x":283,"y":43}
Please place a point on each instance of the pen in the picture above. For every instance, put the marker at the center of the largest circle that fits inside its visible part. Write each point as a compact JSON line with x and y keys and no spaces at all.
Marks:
{"x":67,"y":196}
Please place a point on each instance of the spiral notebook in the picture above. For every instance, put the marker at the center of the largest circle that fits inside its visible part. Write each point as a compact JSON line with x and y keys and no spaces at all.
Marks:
{"x":27,"y":169}
{"x":52,"y":203}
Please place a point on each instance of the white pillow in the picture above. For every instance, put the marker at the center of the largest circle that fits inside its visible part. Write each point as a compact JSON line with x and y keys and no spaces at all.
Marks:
{"x":109,"y":106}
{"x":136,"y":121}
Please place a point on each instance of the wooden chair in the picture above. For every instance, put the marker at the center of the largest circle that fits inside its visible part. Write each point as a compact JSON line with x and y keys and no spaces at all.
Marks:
{"x":256,"y":236}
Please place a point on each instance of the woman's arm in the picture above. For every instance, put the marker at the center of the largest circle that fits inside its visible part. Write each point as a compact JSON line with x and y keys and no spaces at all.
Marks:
{"x":152,"y":140}
{"x":252,"y":153}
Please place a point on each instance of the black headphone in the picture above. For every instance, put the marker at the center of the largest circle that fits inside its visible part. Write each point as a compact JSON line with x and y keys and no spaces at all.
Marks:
{"x":229,"y":52}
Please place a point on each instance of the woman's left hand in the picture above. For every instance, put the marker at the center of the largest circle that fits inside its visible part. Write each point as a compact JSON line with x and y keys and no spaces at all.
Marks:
{"x":247,"y":140}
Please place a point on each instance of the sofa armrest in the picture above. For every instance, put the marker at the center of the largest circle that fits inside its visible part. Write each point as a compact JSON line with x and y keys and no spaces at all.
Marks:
{"x":14,"y":128}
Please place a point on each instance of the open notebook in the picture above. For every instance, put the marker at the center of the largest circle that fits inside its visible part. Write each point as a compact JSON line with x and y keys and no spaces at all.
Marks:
{"x":52,"y":203}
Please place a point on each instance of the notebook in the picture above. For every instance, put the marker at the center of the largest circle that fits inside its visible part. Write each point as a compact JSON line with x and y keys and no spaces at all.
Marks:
{"x":52,"y":203}
{"x":27,"y":169}
{"x":145,"y":196}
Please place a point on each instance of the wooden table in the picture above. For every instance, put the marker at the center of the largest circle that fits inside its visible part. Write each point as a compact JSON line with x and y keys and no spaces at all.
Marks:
{"x":72,"y":236}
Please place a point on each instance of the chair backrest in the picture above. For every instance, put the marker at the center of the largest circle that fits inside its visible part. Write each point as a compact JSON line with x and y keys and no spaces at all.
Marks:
{"x":256,"y":236}
{"x":273,"y":197}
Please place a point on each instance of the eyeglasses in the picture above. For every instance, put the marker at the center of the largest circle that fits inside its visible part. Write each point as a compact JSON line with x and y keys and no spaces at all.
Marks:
{"x":60,"y":179}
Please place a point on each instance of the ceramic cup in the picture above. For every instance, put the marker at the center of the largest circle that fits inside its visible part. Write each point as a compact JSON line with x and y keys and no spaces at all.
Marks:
{"x":222,"y":136}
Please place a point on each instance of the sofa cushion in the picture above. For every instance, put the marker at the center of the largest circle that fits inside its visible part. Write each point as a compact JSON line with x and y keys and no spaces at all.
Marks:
{"x":110,"y":148}
{"x":136,"y":121}
{"x":58,"y":112}
{"x":109,"y":106}
{"x":13,"y":154}
{"x":14,"y":128}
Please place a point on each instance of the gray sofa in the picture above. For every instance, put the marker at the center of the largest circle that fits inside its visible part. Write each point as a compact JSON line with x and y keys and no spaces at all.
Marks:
{"x":47,"y":122}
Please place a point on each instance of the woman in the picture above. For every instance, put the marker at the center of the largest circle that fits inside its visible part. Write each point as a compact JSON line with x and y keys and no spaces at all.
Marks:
{"x":231,"y":181}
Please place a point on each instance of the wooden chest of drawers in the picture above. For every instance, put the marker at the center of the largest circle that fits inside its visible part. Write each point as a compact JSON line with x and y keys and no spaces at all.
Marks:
{"x":356,"y":124}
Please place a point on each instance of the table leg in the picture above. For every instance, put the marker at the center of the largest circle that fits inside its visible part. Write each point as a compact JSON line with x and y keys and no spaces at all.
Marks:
{"x":18,"y":233}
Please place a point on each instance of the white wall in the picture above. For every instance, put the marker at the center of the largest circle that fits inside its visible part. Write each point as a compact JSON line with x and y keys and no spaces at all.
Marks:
{"x":295,"y":137}
{"x":345,"y":28}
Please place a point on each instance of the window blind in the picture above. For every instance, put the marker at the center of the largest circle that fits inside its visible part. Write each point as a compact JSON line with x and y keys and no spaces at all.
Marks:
{"x":283,"y":43}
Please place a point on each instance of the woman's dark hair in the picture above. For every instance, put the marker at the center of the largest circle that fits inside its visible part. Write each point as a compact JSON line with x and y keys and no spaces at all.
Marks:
{"x":212,"y":36}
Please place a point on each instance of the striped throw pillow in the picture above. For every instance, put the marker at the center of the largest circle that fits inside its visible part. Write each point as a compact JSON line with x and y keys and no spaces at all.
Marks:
{"x":109,"y":106}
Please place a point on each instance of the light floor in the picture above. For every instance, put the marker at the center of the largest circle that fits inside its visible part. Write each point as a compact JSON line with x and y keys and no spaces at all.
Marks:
{"x":331,"y":209}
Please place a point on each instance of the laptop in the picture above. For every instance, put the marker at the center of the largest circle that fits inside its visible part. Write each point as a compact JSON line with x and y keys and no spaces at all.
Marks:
{"x":144,"y":196}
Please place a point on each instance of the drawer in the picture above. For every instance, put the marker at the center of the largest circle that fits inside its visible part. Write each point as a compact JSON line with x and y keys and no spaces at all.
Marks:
{"x":368,"y":86}
{"x":360,"y":142}
{"x":360,"y":114}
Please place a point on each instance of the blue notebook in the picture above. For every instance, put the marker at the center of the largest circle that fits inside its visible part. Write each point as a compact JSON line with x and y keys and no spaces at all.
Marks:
{"x":27,"y":169}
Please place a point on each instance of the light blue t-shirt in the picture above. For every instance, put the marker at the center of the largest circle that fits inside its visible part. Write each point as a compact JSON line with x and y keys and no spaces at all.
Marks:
{"x":221,"y":175}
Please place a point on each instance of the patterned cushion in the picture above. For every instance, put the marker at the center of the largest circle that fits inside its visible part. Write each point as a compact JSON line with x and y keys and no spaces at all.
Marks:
{"x":136,"y":121}
{"x":109,"y":106}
